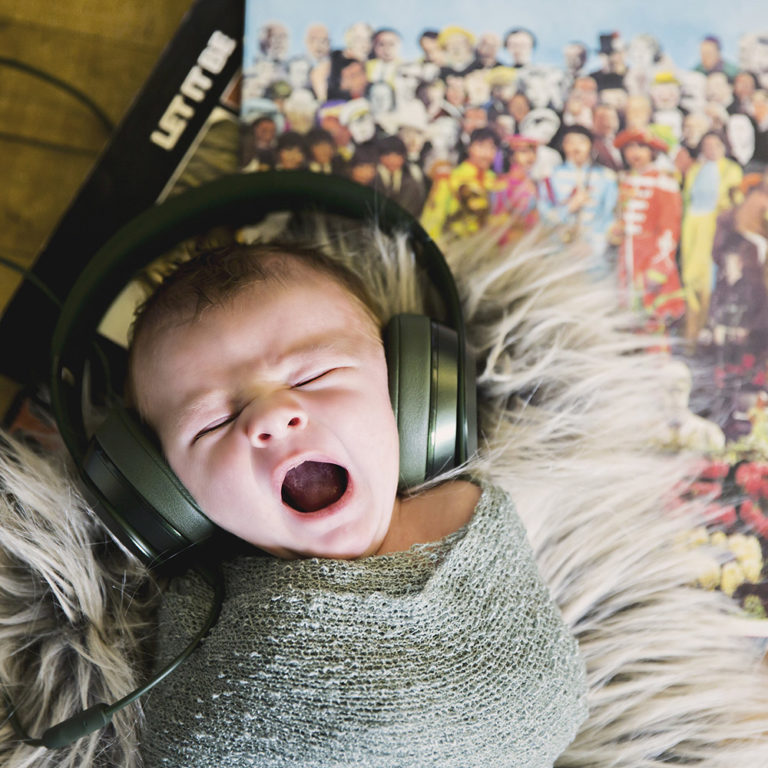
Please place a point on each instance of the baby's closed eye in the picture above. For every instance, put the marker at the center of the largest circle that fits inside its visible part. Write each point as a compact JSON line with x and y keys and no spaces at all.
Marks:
{"x":313,"y":377}
{"x":217,"y":423}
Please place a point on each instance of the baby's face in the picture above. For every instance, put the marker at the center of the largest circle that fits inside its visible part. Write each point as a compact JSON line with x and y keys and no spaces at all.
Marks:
{"x":274,"y":412}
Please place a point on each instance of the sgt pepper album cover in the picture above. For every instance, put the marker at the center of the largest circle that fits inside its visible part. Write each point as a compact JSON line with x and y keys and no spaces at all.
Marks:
{"x":639,"y":127}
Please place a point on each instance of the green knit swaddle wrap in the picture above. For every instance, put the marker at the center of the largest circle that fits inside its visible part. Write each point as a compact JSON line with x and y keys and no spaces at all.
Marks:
{"x":450,"y":654}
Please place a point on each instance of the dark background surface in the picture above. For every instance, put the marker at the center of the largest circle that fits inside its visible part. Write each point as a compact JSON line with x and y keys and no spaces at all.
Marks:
{"x":49,"y":140}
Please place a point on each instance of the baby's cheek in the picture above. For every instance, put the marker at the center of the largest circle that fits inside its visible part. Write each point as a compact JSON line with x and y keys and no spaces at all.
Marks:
{"x":219,"y":476}
{"x":194,"y":468}
{"x":182,"y":471}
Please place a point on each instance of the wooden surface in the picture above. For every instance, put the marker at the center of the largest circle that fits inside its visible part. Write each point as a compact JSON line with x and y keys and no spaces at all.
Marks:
{"x":48,"y":139}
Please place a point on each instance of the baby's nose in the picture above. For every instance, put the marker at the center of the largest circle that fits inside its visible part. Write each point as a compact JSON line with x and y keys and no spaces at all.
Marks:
{"x":267,"y":423}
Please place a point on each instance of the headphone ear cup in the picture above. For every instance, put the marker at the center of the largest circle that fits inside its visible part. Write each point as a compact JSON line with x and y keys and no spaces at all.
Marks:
{"x":139,"y":497}
{"x":423,"y":366}
{"x":408,"y":348}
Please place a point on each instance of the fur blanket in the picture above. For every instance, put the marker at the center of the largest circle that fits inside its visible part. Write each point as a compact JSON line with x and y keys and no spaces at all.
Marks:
{"x":568,"y":413}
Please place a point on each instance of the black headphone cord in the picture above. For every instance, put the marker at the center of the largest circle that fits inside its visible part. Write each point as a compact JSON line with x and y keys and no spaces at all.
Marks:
{"x":28,"y":274}
{"x":62,"y":85}
{"x":100,"y":715}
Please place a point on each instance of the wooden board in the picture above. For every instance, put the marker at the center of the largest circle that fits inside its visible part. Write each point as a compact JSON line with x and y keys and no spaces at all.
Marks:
{"x":49,"y":139}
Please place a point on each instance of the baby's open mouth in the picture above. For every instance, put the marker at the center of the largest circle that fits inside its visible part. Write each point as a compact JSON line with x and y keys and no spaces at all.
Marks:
{"x":314,"y":485}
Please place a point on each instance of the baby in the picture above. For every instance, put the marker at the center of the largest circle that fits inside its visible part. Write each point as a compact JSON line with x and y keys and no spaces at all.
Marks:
{"x":271,"y":404}
{"x":389,"y":629}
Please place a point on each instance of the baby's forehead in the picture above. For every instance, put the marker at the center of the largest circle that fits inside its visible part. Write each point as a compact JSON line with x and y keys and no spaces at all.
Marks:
{"x":189,"y":298}
{"x":193,"y":302}
{"x":276,"y":275}
{"x":285,"y":270}
{"x":310,"y":303}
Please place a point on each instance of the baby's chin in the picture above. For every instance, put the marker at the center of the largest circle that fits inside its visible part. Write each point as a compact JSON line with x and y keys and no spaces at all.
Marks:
{"x":331,"y":550}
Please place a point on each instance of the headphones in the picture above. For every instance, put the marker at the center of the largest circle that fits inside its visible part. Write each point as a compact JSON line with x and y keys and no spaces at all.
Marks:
{"x":137,"y":495}
{"x":431,"y":371}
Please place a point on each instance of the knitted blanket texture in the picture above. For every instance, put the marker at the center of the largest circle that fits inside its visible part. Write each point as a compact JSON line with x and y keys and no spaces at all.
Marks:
{"x":451,"y":654}
{"x":569,"y":415}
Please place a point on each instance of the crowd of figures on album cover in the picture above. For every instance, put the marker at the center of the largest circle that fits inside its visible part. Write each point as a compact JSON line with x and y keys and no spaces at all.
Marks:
{"x":660,"y":165}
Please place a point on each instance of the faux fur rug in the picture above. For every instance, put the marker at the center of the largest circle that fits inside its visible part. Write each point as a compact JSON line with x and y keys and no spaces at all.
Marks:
{"x":570,"y":412}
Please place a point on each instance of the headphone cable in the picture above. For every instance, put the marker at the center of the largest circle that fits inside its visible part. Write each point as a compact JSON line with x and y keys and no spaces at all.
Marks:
{"x":100,"y":715}
{"x":28,"y":274}
{"x":62,"y":85}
